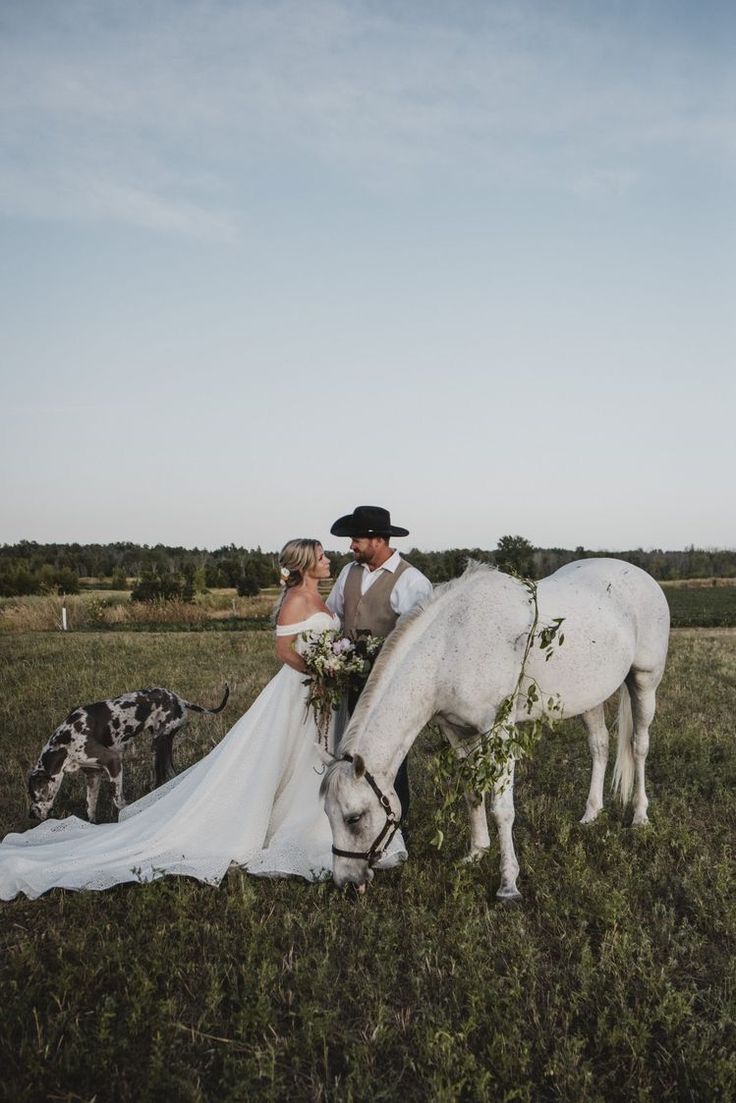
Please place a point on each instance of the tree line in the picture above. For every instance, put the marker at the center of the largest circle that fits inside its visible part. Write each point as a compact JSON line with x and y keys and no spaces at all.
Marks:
{"x":162,"y":572}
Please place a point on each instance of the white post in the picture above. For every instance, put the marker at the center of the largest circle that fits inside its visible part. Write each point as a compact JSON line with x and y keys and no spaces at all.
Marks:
{"x":63,"y":618}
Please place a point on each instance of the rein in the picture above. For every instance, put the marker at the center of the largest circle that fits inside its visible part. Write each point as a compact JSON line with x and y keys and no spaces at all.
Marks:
{"x":387,"y":832}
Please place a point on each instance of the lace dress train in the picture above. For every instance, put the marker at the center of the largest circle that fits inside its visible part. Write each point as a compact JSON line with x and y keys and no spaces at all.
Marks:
{"x":253,"y":801}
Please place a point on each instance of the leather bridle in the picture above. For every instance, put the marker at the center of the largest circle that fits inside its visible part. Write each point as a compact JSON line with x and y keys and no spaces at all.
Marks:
{"x":384,"y":836}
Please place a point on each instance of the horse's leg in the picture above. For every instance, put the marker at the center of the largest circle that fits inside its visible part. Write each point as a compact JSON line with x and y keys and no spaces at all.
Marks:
{"x":503,"y":813}
{"x":480,"y":840}
{"x":642,"y":688}
{"x":595,"y":722}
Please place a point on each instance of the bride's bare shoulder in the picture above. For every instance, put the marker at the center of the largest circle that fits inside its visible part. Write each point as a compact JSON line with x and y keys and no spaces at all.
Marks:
{"x":295,"y":609}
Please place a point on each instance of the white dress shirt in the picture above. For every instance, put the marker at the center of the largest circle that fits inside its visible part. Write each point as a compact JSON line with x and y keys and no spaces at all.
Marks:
{"x":411,"y":586}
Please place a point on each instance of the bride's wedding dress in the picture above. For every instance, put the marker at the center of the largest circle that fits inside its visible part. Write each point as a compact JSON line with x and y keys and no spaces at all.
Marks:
{"x":253,"y":801}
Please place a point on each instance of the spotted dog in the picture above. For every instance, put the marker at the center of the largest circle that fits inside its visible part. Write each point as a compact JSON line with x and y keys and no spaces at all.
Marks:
{"x":93,"y":738}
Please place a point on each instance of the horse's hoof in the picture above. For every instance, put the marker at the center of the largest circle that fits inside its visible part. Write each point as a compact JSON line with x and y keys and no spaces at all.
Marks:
{"x":590,"y":817}
{"x":509,"y":896}
{"x":640,"y":821}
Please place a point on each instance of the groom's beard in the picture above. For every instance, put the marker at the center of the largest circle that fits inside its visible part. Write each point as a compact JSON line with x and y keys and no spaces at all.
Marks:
{"x":364,"y":559}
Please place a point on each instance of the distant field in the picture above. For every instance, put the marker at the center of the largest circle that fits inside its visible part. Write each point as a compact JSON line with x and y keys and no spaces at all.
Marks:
{"x":694,"y":603}
{"x":702,"y":606}
{"x":614,"y":978}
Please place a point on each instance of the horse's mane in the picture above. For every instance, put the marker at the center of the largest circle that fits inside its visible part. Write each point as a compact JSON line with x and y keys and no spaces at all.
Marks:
{"x":327,"y":776}
{"x":425,"y":610}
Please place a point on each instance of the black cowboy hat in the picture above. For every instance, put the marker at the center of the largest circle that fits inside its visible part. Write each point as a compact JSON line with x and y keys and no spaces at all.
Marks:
{"x":367,"y":521}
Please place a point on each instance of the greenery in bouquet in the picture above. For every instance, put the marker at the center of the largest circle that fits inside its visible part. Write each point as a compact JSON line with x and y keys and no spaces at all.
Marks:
{"x":335,"y":664}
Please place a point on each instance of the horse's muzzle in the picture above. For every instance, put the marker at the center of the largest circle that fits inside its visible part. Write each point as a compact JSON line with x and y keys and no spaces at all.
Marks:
{"x":349,"y":872}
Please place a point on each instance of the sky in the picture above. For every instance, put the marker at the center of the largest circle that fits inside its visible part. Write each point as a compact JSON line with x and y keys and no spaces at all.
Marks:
{"x":262,"y":262}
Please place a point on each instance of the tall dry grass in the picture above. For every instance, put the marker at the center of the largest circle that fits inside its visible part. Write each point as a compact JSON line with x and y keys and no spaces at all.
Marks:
{"x":696,"y":583}
{"x":110,"y":609}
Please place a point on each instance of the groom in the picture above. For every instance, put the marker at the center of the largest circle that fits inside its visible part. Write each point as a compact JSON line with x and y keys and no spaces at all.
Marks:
{"x":373,"y":591}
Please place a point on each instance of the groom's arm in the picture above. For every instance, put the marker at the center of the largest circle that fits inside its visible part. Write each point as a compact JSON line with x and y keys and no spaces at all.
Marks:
{"x":411,"y":588}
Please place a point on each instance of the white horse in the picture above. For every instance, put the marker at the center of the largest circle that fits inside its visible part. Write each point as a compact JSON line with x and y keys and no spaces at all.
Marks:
{"x":455,"y":660}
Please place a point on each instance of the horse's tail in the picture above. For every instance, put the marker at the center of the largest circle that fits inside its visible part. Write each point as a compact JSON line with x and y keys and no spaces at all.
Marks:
{"x":623,"y":770}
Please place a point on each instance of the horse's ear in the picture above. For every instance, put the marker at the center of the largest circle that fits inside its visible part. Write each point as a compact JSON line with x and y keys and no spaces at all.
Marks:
{"x":358,"y":766}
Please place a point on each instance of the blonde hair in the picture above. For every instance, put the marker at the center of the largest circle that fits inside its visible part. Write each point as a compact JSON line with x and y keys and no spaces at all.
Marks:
{"x":296,"y":557}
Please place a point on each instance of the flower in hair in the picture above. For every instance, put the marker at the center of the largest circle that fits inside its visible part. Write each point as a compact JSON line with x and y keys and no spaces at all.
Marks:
{"x":285,"y":572}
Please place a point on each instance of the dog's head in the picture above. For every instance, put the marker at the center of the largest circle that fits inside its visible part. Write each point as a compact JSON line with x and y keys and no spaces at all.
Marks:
{"x":41,"y":792}
{"x":44,"y":781}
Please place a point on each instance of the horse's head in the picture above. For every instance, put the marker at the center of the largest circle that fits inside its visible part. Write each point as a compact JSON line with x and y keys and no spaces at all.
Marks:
{"x":363,"y":815}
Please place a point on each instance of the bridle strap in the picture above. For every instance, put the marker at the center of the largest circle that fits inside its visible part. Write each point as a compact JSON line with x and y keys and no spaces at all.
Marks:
{"x":376,"y":850}
{"x":387,"y":832}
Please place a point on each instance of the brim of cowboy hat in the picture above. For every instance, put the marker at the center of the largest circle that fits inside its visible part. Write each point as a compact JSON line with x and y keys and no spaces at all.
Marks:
{"x":347,"y":526}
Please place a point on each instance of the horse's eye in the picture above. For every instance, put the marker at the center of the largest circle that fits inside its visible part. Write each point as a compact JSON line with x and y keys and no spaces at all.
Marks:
{"x":354,"y":819}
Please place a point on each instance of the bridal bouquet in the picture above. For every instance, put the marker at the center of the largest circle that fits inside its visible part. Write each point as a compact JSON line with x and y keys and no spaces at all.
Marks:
{"x":335,"y":664}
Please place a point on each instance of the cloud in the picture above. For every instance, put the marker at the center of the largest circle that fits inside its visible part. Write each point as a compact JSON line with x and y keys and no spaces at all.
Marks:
{"x":158,"y":115}
{"x":76,"y":195}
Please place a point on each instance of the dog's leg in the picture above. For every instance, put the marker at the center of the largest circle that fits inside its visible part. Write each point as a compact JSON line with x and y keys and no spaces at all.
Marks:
{"x":115,"y":771}
{"x":110,"y":760}
{"x":93,"y":779}
{"x":163,"y":764}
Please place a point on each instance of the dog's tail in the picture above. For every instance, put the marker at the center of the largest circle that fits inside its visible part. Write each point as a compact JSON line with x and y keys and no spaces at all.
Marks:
{"x":163,"y":763}
{"x":202,"y":708}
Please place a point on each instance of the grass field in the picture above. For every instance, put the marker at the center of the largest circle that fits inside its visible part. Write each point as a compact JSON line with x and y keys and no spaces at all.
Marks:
{"x":614,"y":979}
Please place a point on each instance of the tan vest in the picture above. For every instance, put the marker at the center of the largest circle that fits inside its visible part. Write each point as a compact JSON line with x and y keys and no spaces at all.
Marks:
{"x":371,"y":611}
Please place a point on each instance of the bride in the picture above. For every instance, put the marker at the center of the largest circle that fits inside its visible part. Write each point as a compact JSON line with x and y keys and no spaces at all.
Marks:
{"x":253,"y":800}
